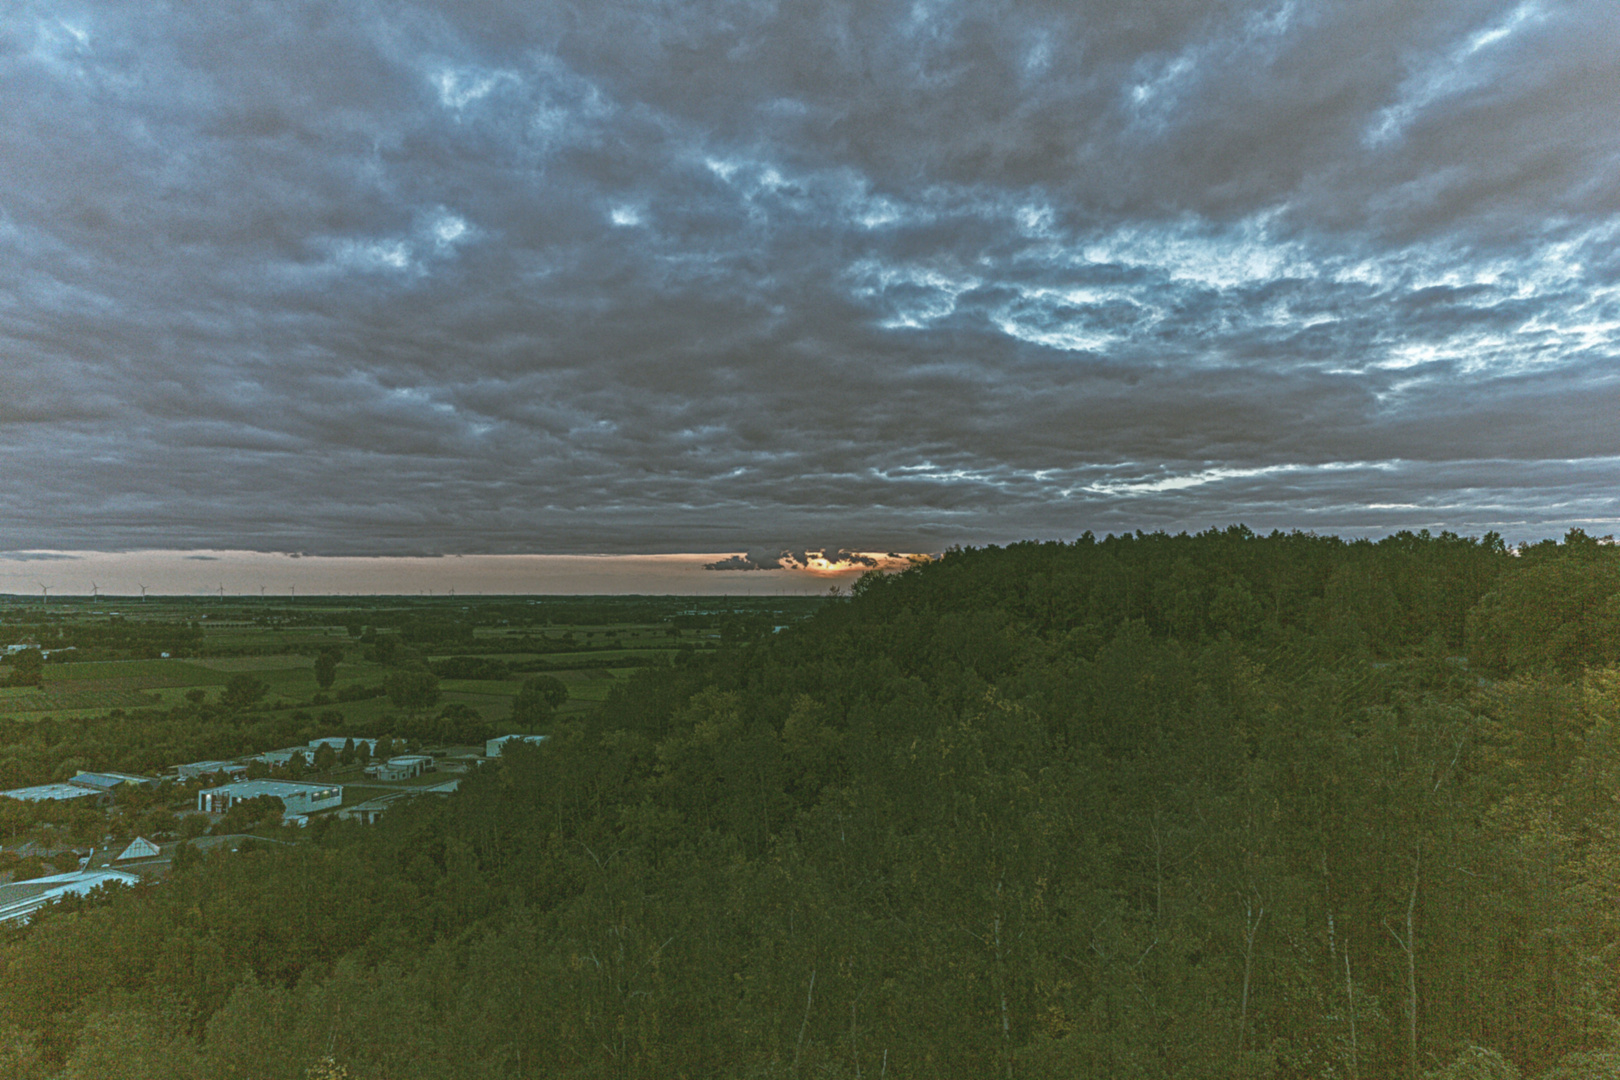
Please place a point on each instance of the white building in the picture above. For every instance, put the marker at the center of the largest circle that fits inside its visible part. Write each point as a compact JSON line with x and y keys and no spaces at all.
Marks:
{"x":281,"y":757}
{"x":20,"y":899}
{"x":204,"y":768}
{"x":44,"y":792}
{"x":106,"y":781}
{"x":340,"y":741}
{"x":402,"y":767}
{"x":297,"y":798}
{"x":492,"y":748}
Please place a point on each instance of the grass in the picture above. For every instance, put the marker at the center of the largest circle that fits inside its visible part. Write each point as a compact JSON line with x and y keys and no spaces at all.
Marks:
{"x":148,"y":674}
{"x":256,"y":664}
{"x":77,"y":689}
{"x":591,"y":655}
{"x":481,"y":687}
{"x":282,"y":658}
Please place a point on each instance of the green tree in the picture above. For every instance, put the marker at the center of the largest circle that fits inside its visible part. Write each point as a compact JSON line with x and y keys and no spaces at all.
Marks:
{"x":460,"y":723}
{"x":27,"y":668}
{"x":413,"y":691}
{"x":326,"y":662}
{"x":186,"y":855}
{"x":538,"y":700}
{"x":325,"y":757}
{"x":246,"y":814}
{"x":1558,"y":612}
{"x":242,"y":690}
{"x":157,"y":821}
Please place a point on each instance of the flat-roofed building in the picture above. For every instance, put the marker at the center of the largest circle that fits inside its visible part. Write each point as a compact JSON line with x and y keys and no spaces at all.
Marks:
{"x":281,"y":757}
{"x":46,"y":792}
{"x":402,"y":767}
{"x":207,"y":768}
{"x":106,"y":781}
{"x":296,"y":798}
{"x":337,"y":742}
{"x":20,"y":899}
{"x":493,"y":747}
{"x":368,"y":812}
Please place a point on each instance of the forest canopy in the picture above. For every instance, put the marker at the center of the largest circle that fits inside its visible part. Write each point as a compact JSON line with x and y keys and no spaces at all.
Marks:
{"x":1222,"y":805}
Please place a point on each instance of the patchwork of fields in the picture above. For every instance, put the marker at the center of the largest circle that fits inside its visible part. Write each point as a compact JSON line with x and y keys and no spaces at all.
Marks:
{"x":71,"y":688}
{"x":277,"y":644}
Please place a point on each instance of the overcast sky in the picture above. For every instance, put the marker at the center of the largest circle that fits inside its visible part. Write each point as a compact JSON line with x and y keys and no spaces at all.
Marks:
{"x":360,"y":278}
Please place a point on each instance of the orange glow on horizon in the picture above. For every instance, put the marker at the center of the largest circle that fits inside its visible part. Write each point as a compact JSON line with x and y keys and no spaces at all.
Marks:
{"x":855,"y":562}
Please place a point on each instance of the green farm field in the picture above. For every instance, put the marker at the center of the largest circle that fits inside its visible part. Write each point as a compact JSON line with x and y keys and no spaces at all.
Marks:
{"x":276,"y":643}
{"x":146,"y":674}
{"x":269,"y":662}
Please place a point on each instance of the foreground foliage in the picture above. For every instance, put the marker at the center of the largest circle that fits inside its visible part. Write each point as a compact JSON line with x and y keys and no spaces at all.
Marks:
{"x":1145,"y":807}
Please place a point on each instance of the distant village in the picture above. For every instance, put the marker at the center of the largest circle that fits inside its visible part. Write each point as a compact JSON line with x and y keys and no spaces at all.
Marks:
{"x":223,"y":786}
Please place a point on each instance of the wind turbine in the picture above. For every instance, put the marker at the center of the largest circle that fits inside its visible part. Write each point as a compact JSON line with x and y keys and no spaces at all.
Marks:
{"x":222,"y":592}
{"x":143,"y":594}
{"x":45,"y":592}
{"x":95,"y":593}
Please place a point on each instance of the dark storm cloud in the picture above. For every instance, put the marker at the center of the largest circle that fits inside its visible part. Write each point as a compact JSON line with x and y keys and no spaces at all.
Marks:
{"x":611,"y":277}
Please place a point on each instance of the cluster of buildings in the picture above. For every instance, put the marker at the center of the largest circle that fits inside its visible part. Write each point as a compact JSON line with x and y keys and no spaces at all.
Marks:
{"x":299,"y":797}
{"x":20,"y":899}
{"x":96,"y":786}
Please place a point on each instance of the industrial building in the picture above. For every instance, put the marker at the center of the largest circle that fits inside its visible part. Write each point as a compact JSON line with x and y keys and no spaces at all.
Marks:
{"x":207,"y":768}
{"x":86,"y":785}
{"x":107,"y":781}
{"x":299,"y":799}
{"x":43,"y":792}
{"x":20,"y":899}
{"x":402,"y":767}
{"x":279,"y":758}
{"x":368,"y":812}
{"x":338,"y":742}
{"x":492,"y":748}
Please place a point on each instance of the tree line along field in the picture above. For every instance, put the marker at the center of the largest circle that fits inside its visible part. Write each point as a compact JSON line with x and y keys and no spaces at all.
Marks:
{"x":206,"y":641}
{"x":1225,"y":806}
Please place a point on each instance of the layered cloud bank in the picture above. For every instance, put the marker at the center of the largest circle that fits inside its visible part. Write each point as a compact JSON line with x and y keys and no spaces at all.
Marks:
{"x":513,"y":277}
